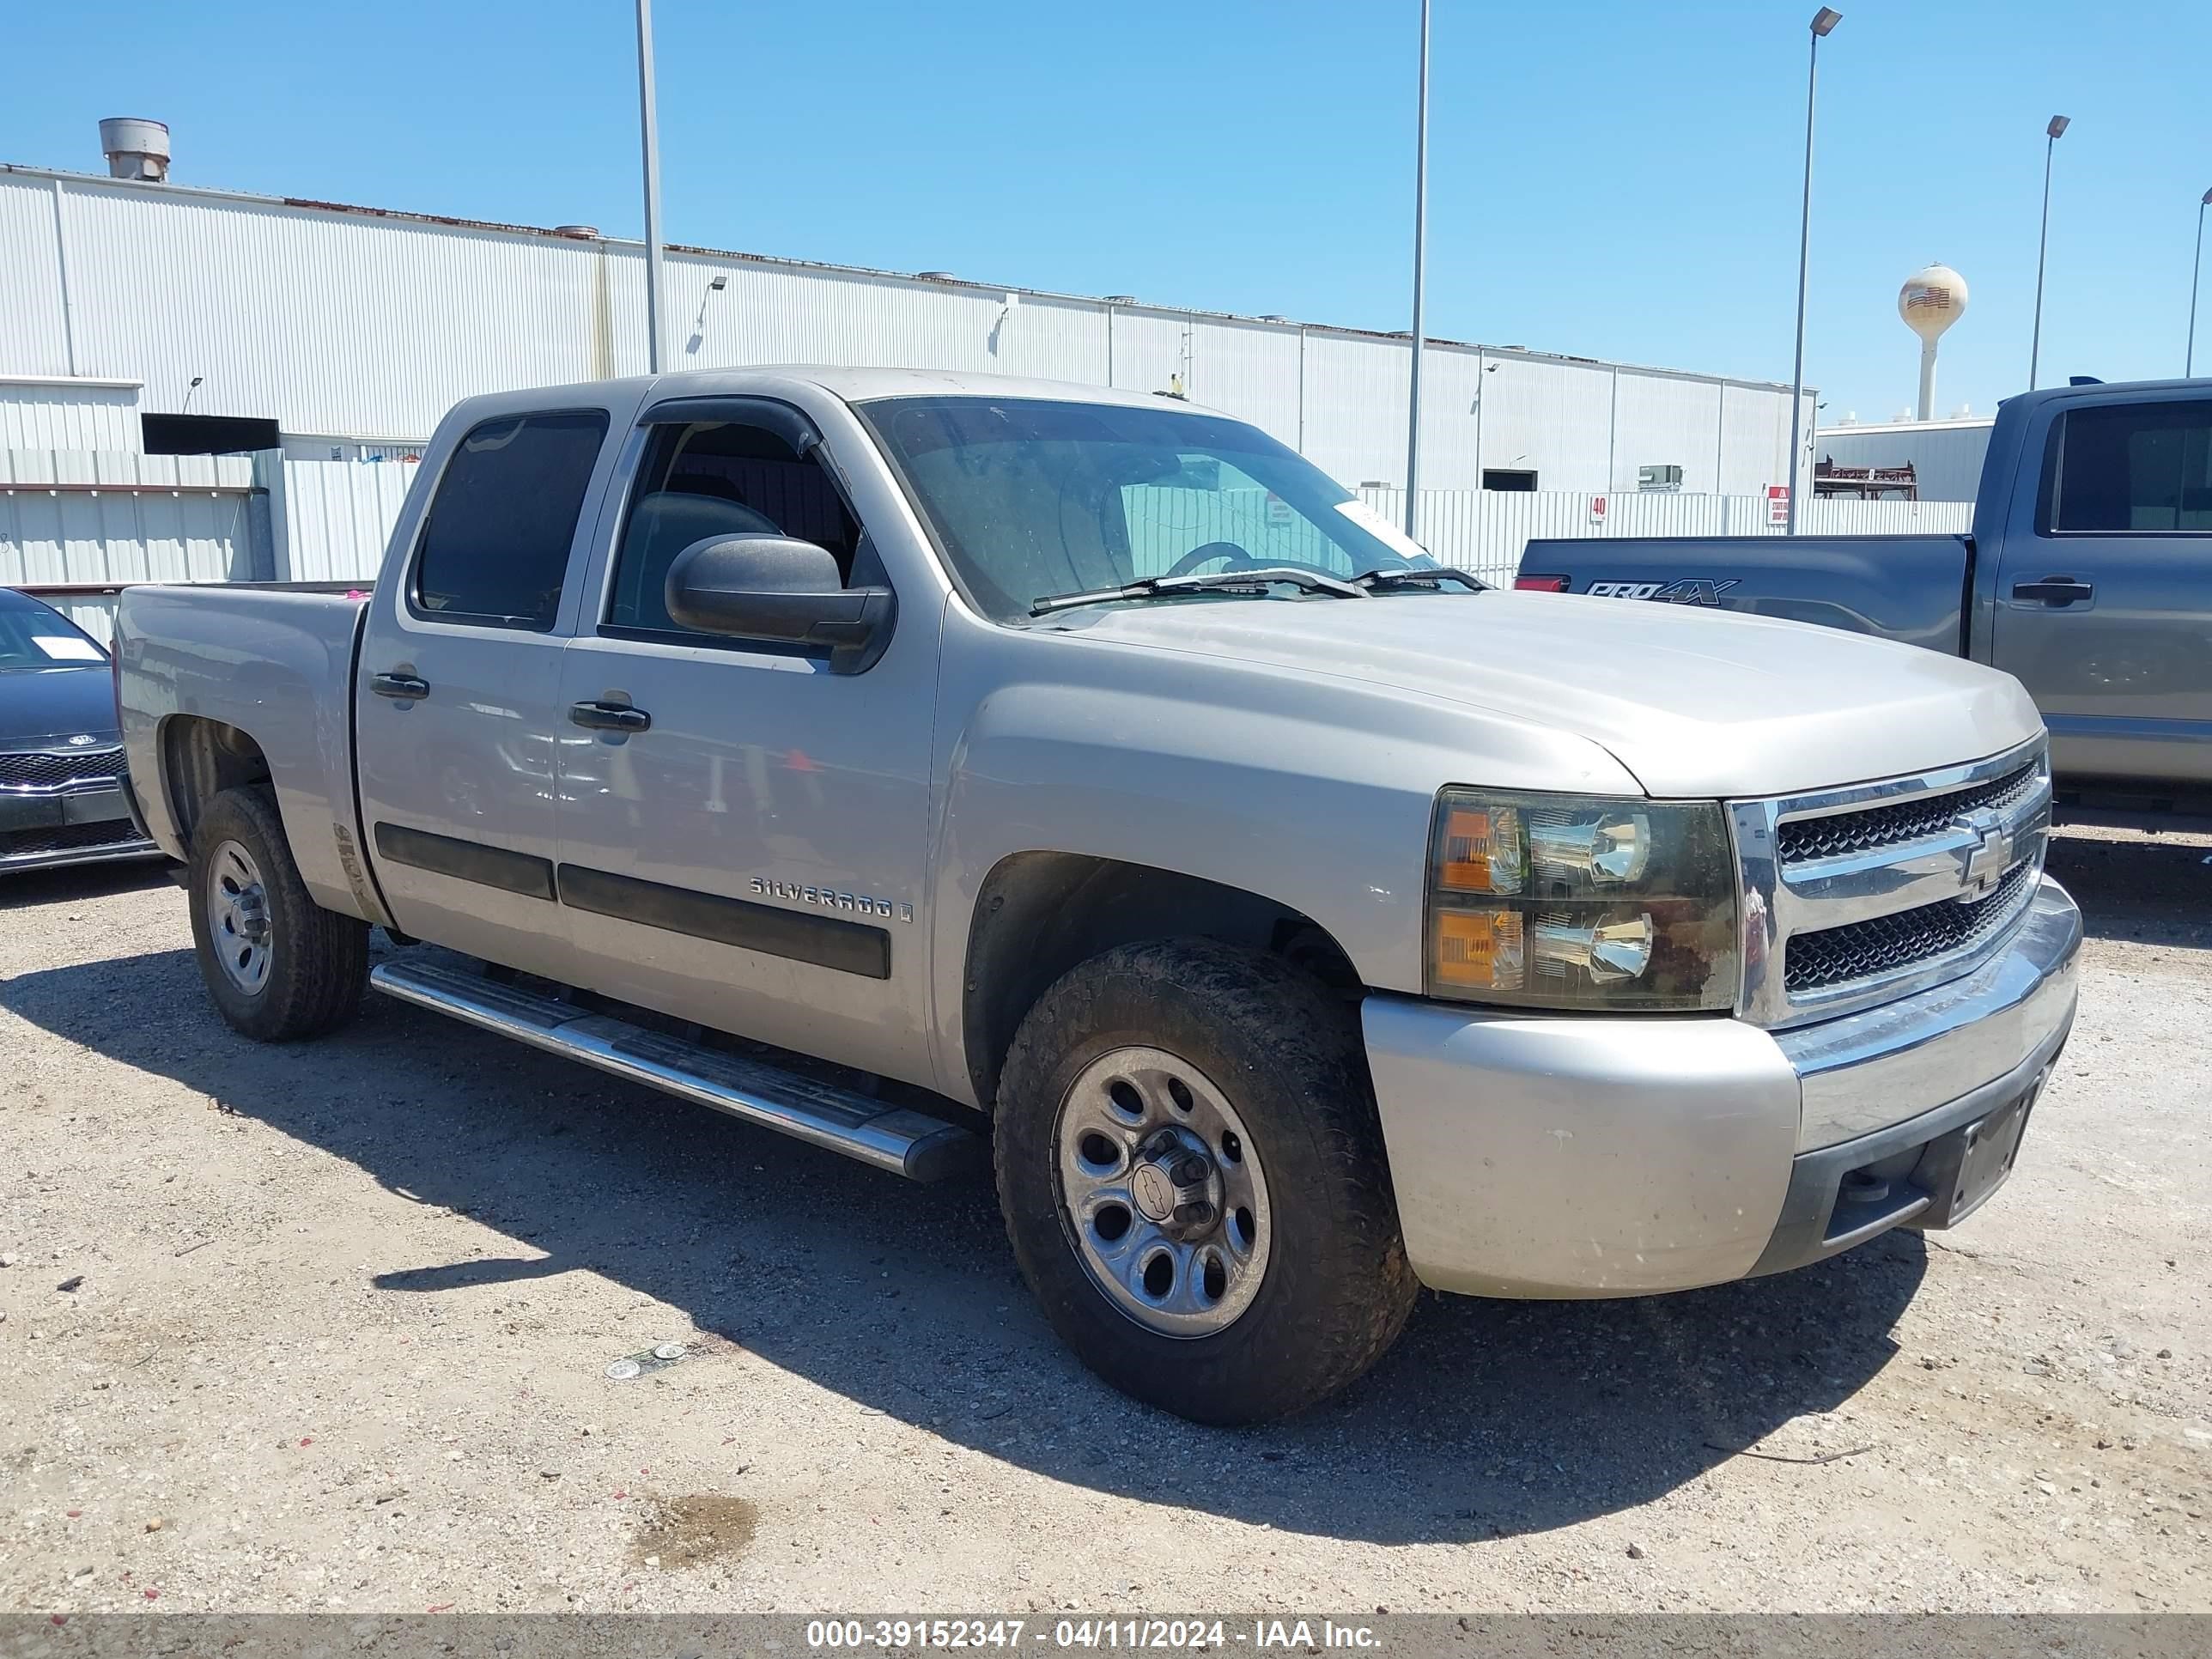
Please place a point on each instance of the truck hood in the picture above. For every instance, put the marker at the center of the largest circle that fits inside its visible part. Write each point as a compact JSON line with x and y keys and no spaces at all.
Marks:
{"x":1694,"y":703}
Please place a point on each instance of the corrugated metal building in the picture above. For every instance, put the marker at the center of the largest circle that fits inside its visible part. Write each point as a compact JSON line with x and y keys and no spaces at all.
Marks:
{"x":1945,"y":456}
{"x":353,"y":328}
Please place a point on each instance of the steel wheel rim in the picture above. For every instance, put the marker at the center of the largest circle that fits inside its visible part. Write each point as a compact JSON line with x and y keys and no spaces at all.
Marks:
{"x":1130,"y":1131}
{"x":239,"y":928}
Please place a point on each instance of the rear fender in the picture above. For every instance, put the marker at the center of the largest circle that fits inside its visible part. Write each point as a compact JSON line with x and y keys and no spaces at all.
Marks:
{"x":217,"y":687}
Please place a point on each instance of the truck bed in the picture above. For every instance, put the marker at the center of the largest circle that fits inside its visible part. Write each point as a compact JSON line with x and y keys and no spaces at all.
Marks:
{"x":274,"y":660}
{"x":1910,"y":588}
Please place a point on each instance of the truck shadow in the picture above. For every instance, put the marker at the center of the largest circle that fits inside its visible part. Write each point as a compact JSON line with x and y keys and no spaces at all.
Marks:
{"x":2138,"y":889}
{"x":89,"y":882}
{"x":1487,"y":1419}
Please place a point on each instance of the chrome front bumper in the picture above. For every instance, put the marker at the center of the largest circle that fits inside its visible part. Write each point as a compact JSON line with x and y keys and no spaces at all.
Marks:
{"x":1562,"y":1156}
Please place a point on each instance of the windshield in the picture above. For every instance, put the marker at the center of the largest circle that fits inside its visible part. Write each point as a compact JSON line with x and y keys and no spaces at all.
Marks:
{"x":32,"y":637}
{"x":1031,"y":498}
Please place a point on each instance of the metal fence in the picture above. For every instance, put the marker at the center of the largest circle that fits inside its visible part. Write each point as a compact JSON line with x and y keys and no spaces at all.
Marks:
{"x":332,"y":519}
{"x":88,"y":518}
{"x":95,"y":519}
{"x":1486,"y":530}
{"x":335,"y":516}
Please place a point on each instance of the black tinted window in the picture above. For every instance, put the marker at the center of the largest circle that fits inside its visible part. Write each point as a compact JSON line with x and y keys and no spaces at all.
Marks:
{"x":496,"y":545}
{"x":32,"y":636}
{"x":716,"y":479}
{"x":2144,"y":467}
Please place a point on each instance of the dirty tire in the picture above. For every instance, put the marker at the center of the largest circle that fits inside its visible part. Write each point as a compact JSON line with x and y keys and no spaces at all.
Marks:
{"x":1337,"y":1289}
{"x":317,"y":959}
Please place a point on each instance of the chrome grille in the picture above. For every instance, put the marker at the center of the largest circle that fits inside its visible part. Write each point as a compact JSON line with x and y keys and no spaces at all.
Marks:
{"x":1865,"y":950}
{"x":51,"y":771}
{"x":1842,"y":833}
{"x":1860,"y":895}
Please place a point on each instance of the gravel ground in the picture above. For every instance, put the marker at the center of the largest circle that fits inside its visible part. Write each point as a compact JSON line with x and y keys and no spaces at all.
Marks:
{"x":329,"y":1326}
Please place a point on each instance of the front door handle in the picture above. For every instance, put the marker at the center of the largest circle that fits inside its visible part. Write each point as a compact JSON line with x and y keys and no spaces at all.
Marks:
{"x":406,"y":687}
{"x":609,"y":717}
{"x":2057,"y":591}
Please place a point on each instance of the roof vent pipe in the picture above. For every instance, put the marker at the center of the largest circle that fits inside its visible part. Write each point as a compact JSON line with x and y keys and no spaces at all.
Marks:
{"x":136,"y":148}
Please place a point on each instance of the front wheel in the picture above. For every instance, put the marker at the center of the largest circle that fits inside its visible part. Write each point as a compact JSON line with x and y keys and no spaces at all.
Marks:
{"x":1194,"y":1183}
{"x":277,"y":964}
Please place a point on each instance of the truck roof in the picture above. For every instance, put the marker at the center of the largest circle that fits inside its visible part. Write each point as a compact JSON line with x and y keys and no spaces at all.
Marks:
{"x":852,"y":384}
{"x":2103,"y":389}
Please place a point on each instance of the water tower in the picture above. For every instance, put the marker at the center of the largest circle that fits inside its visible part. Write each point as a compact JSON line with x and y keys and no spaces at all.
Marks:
{"x":1931,"y":299}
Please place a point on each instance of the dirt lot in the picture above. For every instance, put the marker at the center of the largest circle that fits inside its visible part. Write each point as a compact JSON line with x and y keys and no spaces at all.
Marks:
{"x":329,"y":1326}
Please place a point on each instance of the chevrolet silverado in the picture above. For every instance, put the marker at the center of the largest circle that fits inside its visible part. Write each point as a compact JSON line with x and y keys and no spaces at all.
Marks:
{"x":917,"y":763}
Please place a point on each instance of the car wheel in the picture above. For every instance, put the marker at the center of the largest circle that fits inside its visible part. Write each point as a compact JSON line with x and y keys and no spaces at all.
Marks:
{"x":277,"y":964}
{"x":1194,"y":1183}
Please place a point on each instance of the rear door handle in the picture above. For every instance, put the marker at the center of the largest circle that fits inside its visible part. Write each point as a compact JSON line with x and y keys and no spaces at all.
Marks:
{"x":2057,"y":591}
{"x":406,"y":687}
{"x":609,"y":717}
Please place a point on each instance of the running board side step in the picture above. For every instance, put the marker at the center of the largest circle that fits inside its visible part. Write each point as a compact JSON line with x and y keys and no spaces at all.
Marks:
{"x":907,"y":1143}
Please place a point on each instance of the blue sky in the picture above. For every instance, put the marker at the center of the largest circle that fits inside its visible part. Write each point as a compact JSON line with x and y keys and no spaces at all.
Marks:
{"x":1611,"y":180}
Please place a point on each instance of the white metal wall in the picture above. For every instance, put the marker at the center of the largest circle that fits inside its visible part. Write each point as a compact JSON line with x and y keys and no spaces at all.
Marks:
{"x":66,"y":414}
{"x":1946,"y":455}
{"x":348,"y":321}
{"x":36,"y":336}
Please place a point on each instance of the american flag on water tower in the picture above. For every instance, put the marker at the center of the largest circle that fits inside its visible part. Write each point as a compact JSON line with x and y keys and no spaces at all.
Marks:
{"x":1928,"y":299}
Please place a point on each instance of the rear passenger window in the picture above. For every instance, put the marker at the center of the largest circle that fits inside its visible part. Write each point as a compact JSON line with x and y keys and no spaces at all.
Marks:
{"x":714,"y":479}
{"x":495,"y":547}
{"x":2139,"y":468}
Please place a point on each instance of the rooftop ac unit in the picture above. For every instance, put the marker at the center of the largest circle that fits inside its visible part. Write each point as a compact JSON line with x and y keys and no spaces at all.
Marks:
{"x":1658,"y":477}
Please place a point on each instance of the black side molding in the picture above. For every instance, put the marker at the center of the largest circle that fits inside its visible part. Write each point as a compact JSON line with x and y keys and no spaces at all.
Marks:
{"x":467,"y":860}
{"x":850,"y":947}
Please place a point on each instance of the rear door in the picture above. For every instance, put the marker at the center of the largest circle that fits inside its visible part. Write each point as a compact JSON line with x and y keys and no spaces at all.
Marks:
{"x":455,"y":712}
{"x":2104,"y":590}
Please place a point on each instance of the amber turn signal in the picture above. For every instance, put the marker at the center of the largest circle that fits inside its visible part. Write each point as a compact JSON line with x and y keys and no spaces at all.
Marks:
{"x":1480,"y":950}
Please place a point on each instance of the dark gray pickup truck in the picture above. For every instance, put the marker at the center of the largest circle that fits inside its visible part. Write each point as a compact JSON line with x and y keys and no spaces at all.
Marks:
{"x":2087,"y":574}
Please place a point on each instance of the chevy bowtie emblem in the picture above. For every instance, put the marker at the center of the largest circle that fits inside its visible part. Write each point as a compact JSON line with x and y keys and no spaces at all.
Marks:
{"x":1985,"y":858}
{"x":83,"y":740}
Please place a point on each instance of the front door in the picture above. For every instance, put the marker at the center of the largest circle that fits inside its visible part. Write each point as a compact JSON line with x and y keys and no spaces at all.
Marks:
{"x":460,"y":675}
{"x":743,"y":831}
{"x":2105,"y":611}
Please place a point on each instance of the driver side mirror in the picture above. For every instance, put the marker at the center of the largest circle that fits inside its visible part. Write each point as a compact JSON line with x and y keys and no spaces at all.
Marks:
{"x":779,"y":590}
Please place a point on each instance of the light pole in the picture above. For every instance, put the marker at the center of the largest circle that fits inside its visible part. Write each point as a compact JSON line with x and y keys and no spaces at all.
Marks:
{"x":2052,"y":135}
{"x":1823,"y":21}
{"x":650,"y":126}
{"x":1420,"y":279}
{"x":2188,"y":364}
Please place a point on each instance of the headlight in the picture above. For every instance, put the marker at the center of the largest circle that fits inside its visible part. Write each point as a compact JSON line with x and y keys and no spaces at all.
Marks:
{"x":1574,"y":902}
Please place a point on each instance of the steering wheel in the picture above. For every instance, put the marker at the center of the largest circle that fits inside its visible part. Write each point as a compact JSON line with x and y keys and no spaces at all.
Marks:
{"x":1237,"y":558}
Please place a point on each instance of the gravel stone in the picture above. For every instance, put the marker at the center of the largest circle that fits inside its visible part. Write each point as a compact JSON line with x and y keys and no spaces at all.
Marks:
{"x":429,"y":1243}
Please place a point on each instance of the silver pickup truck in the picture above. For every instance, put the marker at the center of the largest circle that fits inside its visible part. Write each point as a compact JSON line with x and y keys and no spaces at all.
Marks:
{"x":1085,"y":775}
{"x":2087,"y":574}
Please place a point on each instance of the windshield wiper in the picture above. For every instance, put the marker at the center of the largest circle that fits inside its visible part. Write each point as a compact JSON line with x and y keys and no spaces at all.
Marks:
{"x":1214,"y":581}
{"x":1417,"y":575}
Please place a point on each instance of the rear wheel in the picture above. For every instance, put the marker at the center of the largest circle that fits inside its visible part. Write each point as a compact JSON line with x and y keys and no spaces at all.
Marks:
{"x":1195,"y":1184}
{"x":278,"y":965}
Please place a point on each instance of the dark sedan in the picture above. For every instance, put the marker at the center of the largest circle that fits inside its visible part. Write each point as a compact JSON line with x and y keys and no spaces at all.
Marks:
{"x":61,"y":756}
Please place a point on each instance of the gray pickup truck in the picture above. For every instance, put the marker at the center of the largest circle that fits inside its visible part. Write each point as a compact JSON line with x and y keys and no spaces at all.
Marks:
{"x":1085,"y":775}
{"x":2087,"y":574}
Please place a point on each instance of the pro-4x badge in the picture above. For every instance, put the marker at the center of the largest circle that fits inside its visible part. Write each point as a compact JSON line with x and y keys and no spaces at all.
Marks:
{"x":1686,"y":590}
